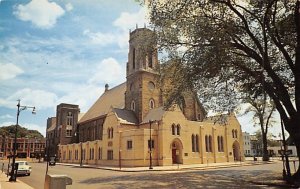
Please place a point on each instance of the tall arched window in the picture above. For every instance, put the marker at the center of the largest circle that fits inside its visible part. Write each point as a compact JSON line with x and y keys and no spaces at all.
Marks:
{"x":206,"y":143}
{"x":108,"y":133}
{"x":222,"y":144}
{"x":173,"y":129}
{"x":178,"y":129}
{"x":236,"y":133}
{"x":151,"y":104}
{"x":233,"y":133}
{"x":197,"y":143}
{"x":133,"y":58}
{"x":112,"y":132}
{"x":132,"y":105}
{"x":90,"y":153}
{"x":150,"y":59}
{"x":193,"y":143}
{"x":210,"y":143}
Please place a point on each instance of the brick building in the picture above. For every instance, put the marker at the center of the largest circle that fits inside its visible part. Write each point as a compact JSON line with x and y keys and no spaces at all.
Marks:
{"x":26,"y":147}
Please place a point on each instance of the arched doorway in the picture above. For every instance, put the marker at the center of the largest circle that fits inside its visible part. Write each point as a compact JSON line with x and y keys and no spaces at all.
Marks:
{"x":176,"y":147}
{"x":236,"y":151}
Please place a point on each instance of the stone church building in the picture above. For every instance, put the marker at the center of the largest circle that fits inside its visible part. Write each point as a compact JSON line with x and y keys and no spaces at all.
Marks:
{"x":129,"y":125}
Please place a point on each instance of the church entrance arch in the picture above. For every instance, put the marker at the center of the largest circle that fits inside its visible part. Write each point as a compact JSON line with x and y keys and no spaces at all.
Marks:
{"x":177,"y":147}
{"x":236,"y":151}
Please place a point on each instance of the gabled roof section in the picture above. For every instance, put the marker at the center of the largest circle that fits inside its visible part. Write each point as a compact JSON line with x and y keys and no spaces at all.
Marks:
{"x":113,"y":97}
{"x":154,"y":114}
{"x":52,"y":127}
{"x":80,"y":115}
{"x":126,"y":116}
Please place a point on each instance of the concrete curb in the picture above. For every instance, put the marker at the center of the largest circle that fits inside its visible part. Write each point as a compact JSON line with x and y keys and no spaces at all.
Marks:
{"x":170,"y":168}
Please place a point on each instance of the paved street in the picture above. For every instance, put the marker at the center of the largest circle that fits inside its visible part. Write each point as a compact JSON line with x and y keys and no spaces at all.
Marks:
{"x":90,"y":178}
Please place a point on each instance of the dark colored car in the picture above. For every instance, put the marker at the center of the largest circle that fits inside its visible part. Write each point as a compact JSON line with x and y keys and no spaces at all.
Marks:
{"x":52,"y":161}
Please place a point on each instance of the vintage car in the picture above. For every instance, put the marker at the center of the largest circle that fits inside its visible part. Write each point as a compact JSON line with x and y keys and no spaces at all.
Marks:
{"x":23,"y":168}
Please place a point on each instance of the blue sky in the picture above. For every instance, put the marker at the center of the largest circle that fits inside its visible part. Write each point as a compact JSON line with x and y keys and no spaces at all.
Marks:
{"x":63,"y":51}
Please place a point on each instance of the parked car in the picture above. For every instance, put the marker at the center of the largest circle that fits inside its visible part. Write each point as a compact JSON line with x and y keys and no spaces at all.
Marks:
{"x":23,"y":168}
{"x":52,"y":161}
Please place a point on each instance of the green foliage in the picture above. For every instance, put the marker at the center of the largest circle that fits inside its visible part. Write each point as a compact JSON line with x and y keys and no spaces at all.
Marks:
{"x":9,"y":131}
{"x":230,"y":47}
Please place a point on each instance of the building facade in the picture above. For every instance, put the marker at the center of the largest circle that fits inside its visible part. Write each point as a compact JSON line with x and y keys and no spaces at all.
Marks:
{"x":129,"y":124}
{"x":62,"y":128}
{"x":247,"y":144}
{"x":26,"y":147}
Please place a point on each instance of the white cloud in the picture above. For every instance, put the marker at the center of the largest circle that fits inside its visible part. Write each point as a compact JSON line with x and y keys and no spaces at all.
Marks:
{"x":29,"y":97}
{"x":9,"y":71}
{"x":128,"y":20}
{"x":84,"y":96}
{"x":6,"y":116}
{"x":108,"y":71}
{"x":69,"y":7}
{"x":100,"y":38}
{"x":41,"y":13}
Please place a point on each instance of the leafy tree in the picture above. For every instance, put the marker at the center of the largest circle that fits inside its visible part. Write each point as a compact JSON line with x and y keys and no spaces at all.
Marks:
{"x":9,"y":131}
{"x":240,"y":46}
{"x":263,"y":110}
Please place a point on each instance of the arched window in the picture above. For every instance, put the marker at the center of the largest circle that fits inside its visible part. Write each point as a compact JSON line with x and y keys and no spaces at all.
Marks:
{"x":150,"y":59}
{"x":90,"y":153}
{"x":173,"y":129}
{"x":108,"y":133}
{"x":133,"y":106}
{"x":197,"y":143}
{"x":133,"y":58}
{"x":193,"y":143}
{"x":206,"y":144}
{"x":210,"y":143}
{"x":181,"y":103}
{"x":112,"y":133}
{"x":233,"y":133}
{"x":178,"y":129}
{"x":236,"y":133}
{"x":222,"y":144}
{"x":131,"y":87}
{"x":151,"y":104}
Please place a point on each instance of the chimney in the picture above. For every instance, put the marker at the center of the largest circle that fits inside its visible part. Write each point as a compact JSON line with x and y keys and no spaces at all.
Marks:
{"x":106,"y":87}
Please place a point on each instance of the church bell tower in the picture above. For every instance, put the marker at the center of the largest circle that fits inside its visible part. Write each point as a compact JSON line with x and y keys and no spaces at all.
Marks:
{"x":142,"y":90}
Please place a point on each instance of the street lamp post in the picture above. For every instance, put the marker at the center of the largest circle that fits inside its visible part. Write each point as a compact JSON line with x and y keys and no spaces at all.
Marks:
{"x":13,"y":176}
{"x":78,"y":140}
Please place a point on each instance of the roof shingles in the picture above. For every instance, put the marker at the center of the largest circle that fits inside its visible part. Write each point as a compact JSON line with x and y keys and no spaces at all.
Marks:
{"x":111,"y":98}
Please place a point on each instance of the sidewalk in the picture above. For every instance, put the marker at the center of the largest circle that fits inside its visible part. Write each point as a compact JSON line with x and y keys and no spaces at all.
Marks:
{"x":5,"y":184}
{"x":175,"y":167}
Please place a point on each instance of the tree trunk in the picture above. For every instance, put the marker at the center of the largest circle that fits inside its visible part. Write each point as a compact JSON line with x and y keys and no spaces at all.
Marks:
{"x":292,"y":126}
{"x":265,"y":154}
{"x":296,"y":175}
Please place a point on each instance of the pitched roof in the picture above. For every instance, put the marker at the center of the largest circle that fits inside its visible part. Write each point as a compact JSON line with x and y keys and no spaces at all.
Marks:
{"x":126,"y":116}
{"x":154,"y":114}
{"x":113,"y":97}
{"x":52,"y":127}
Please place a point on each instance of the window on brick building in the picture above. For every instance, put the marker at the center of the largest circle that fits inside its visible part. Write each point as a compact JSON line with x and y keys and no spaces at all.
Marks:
{"x":110,"y":154}
{"x":129,"y":144}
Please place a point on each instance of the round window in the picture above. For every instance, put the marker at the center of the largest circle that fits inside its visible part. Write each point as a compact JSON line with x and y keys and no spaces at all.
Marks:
{"x":151,"y":86}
